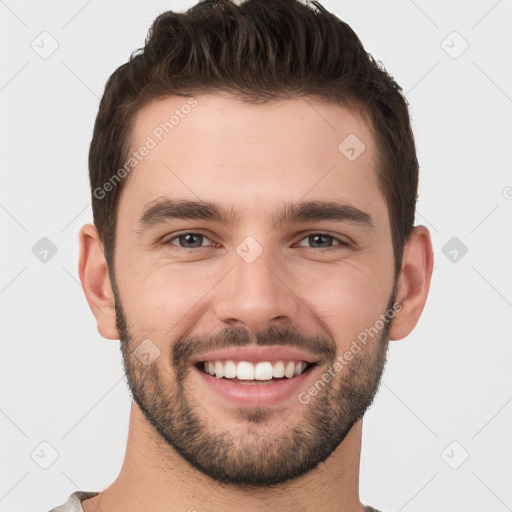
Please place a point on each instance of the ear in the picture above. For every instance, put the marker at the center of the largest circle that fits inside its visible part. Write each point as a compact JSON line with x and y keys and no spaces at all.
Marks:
{"x":413,"y":283}
{"x":94,"y":275}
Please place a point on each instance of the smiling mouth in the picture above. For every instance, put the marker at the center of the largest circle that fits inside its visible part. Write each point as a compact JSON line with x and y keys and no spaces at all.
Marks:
{"x":262,"y":372}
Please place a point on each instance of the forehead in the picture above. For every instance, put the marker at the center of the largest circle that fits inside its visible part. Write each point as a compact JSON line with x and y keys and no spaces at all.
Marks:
{"x":251,"y":157}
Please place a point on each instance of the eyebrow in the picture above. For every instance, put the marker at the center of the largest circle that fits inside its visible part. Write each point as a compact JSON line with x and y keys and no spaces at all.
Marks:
{"x":159,"y":211}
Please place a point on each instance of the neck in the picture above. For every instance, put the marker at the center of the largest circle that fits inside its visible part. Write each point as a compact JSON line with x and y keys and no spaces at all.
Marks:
{"x":154,"y":477}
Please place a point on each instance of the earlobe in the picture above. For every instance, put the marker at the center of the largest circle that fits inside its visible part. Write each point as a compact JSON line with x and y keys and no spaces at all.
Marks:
{"x":94,"y":276}
{"x":413,"y":283}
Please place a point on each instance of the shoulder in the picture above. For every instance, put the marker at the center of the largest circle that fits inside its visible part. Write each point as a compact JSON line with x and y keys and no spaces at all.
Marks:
{"x":74,"y":502}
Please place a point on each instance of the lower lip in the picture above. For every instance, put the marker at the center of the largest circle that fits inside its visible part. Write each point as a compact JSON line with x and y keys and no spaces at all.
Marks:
{"x":256,"y":395}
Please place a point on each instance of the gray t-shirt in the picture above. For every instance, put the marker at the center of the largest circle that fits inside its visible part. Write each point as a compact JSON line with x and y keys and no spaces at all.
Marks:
{"x":74,"y":503}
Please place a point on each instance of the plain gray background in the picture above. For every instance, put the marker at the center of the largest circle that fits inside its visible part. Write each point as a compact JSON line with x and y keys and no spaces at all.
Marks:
{"x":438,"y":435}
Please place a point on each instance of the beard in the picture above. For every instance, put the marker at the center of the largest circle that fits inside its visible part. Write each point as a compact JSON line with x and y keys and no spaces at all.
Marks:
{"x":251,"y":457}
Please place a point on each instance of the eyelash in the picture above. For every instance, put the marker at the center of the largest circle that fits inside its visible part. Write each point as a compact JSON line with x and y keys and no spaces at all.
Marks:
{"x":341,"y":243}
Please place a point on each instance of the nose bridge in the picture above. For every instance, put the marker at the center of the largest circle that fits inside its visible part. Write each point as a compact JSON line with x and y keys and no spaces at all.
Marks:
{"x":255,"y":291}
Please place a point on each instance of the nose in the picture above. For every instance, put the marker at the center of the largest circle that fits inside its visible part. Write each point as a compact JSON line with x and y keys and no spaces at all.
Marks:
{"x":256,"y":294}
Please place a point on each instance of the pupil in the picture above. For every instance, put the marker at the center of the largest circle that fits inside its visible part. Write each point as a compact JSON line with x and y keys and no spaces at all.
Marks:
{"x":190,"y":236}
{"x":316,"y":237}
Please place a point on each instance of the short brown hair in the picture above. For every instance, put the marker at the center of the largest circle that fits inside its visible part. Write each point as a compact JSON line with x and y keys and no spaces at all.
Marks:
{"x":260,"y":50}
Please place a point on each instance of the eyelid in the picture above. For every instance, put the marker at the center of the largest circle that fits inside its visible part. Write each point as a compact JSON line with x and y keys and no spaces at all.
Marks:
{"x":306,"y":234}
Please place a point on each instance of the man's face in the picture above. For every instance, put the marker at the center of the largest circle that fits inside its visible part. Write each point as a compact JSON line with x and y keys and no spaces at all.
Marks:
{"x":309,"y":285}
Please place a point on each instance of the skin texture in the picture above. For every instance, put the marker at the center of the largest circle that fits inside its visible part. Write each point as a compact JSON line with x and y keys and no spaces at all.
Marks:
{"x":187,"y":448}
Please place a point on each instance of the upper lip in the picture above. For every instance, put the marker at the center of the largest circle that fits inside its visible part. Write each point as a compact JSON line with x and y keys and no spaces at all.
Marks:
{"x":256,"y":354}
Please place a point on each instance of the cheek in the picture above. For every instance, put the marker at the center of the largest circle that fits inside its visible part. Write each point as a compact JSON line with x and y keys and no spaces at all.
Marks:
{"x":163,"y":294}
{"x":348,"y":297}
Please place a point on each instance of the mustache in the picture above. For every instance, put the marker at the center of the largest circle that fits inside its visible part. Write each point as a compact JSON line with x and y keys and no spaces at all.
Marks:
{"x":188,"y":346}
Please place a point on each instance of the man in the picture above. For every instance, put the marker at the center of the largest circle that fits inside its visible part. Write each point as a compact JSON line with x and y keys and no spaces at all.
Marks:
{"x":254,"y":180}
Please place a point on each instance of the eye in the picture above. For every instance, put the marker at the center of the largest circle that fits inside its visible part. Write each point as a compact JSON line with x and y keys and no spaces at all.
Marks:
{"x":194,"y":240}
{"x":188,"y":240}
{"x":319,"y":238}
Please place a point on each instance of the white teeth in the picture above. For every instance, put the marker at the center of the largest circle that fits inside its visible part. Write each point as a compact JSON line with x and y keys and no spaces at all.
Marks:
{"x":278,"y":370}
{"x":230,"y":370}
{"x":245,"y":371}
{"x":289,"y":371}
{"x":219,"y":369}
{"x":263,"y":370}
{"x":299,"y":368}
